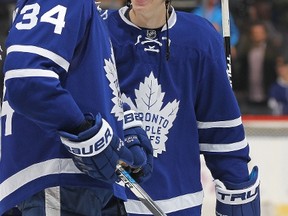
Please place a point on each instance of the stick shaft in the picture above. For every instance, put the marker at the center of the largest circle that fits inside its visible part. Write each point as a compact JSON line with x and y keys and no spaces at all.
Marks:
{"x":226,"y":35}
{"x":139,"y":191}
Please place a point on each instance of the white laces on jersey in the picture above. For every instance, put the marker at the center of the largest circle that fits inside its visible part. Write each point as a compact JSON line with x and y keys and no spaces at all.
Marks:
{"x":152,"y":43}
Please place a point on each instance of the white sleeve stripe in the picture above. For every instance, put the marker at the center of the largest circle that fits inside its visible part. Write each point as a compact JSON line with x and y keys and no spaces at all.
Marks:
{"x":223,"y":147}
{"x":167,"y":205}
{"x":36,"y":171}
{"x":22,"y":73}
{"x":220,"y":124}
{"x":42,"y":52}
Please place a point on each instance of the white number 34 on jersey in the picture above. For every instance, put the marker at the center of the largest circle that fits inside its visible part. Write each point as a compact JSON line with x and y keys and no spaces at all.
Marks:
{"x":55,"y":16}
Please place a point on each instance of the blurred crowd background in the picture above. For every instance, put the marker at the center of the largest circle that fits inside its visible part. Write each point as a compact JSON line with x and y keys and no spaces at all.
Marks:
{"x":259,"y":45}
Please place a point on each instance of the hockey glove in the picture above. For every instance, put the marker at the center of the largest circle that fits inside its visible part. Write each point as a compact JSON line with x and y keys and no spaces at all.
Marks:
{"x":239,"y":199}
{"x":137,"y":141}
{"x":96,"y":151}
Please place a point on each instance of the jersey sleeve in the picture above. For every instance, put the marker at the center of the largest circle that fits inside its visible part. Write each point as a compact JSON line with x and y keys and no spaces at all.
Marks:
{"x":40,"y":48}
{"x":221,"y":134}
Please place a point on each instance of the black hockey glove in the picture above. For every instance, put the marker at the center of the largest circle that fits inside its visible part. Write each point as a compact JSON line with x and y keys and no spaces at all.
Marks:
{"x":96,"y":151}
{"x":137,"y":141}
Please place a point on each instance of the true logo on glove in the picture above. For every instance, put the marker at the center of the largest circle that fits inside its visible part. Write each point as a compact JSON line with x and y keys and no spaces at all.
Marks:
{"x":238,"y":198}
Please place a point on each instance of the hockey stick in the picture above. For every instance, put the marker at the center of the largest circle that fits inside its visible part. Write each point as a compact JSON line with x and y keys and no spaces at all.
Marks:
{"x":138,"y":191}
{"x":226,"y":35}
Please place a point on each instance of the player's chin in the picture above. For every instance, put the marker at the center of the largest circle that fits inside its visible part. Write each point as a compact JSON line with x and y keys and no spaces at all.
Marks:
{"x":141,"y":4}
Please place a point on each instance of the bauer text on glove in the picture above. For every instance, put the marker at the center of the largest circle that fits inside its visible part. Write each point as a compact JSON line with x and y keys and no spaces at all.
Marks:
{"x":97,"y":150}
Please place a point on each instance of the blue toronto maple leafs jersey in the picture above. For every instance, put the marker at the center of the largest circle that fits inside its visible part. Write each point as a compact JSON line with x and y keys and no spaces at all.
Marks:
{"x":59,"y":66}
{"x":187,"y":107}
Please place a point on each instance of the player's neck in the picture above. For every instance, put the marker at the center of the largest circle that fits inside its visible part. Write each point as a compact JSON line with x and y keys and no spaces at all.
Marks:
{"x":151,"y":20}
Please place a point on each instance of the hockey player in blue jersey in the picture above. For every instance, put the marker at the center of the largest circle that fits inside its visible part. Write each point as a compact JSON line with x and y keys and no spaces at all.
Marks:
{"x":61,"y":118}
{"x":171,"y":69}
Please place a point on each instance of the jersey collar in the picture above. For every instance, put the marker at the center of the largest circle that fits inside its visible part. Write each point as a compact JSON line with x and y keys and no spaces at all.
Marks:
{"x":171,"y":21}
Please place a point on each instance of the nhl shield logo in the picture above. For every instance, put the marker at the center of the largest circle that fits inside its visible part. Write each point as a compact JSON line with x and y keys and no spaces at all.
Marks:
{"x":151,"y":34}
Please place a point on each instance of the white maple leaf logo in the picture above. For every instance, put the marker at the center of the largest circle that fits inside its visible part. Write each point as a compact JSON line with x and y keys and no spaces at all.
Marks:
{"x":156,"y":120}
{"x":111,"y":74}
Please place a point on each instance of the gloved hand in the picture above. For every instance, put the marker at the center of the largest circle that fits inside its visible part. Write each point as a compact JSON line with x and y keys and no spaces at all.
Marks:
{"x":96,"y":151}
{"x":239,"y":199}
{"x":137,"y":141}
